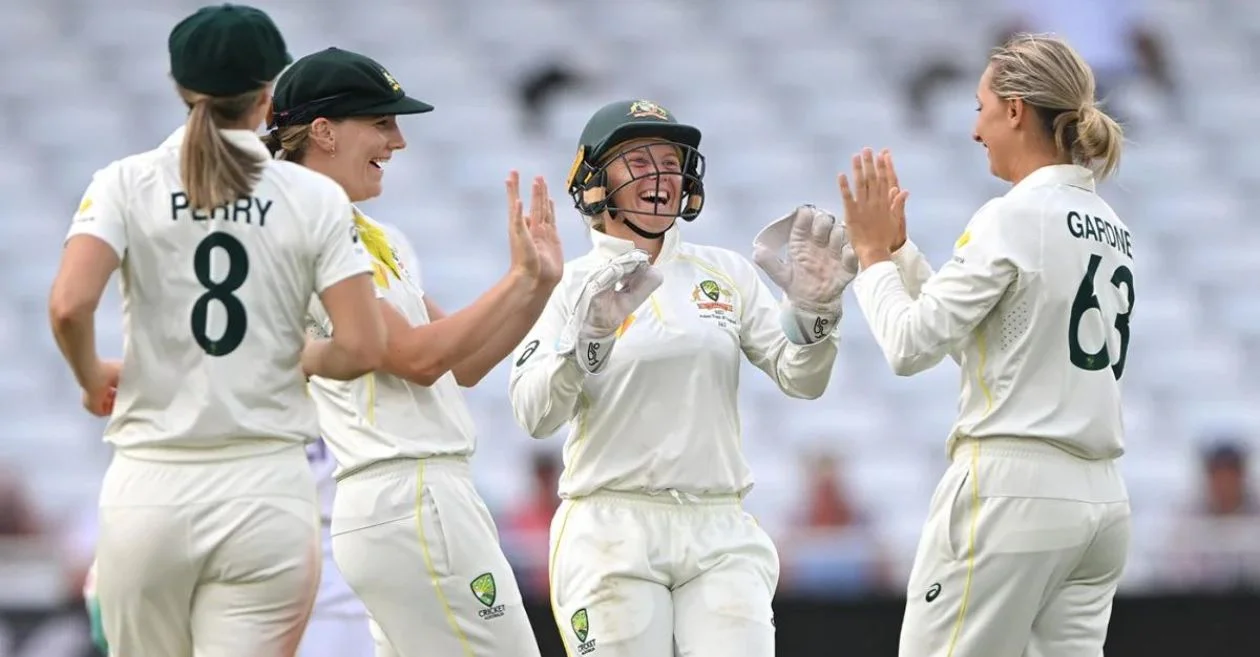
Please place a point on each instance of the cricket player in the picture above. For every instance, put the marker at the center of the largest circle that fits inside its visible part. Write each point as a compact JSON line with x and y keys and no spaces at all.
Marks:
{"x":410,"y":533}
{"x":639,"y":351}
{"x":1028,"y":531}
{"x":209,"y":528}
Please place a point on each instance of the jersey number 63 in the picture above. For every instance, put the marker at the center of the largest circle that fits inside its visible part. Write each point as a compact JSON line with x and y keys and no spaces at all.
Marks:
{"x":1086,"y":300}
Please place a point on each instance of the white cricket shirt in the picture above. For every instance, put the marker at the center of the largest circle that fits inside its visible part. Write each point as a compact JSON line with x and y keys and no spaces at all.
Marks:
{"x":1034,"y":304}
{"x":214,"y":302}
{"x":663,"y":416}
{"x":378,"y":416}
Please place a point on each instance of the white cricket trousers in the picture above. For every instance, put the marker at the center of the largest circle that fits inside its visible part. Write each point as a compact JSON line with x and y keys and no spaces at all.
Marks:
{"x":636,"y":575}
{"x":419,"y":548}
{"x":216,"y":559}
{"x":1020,"y":556}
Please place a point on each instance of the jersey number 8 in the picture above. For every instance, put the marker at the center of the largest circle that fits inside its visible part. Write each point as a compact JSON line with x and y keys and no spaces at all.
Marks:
{"x":237,"y":271}
{"x":1087,"y":300}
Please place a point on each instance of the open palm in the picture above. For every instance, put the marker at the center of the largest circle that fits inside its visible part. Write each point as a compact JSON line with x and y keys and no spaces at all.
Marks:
{"x":547,"y":245}
{"x":535,"y":243}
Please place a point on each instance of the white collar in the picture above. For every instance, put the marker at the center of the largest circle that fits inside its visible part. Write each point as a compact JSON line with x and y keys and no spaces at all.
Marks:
{"x":610,"y":247}
{"x":1059,"y":174}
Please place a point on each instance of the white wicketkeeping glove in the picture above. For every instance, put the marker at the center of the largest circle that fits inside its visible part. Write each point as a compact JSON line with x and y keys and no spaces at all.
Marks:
{"x":817,"y":268}
{"x":609,"y":294}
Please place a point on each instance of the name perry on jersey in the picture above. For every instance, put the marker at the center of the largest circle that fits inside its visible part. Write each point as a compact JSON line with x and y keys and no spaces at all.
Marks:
{"x":1085,"y":227}
{"x":250,"y":210}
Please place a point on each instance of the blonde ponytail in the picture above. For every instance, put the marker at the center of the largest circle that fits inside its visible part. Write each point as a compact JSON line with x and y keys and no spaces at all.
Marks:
{"x":214,"y":171}
{"x":1099,"y":140}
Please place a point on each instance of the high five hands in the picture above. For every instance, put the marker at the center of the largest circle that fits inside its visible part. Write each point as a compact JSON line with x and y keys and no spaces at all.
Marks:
{"x":534,"y":242}
{"x":874,"y":207}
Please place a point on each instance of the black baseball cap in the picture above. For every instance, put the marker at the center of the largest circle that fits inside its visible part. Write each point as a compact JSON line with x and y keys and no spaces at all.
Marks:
{"x":336,"y":83}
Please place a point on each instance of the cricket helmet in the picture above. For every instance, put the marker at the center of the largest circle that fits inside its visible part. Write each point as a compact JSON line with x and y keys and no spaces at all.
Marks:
{"x":600,"y":145}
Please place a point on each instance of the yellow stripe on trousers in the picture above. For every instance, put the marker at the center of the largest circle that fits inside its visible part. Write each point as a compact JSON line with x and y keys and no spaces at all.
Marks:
{"x":551,"y":577}
{"x":971,"y":546}
{"x":428,"y":564}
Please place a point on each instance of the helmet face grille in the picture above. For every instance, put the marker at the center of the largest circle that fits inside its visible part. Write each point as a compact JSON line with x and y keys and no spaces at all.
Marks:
{"x":589,"y":184}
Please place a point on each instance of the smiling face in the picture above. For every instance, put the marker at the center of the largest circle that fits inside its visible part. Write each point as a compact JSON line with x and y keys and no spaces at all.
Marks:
{"x":360,"y":147}
{"x":646,"y":180}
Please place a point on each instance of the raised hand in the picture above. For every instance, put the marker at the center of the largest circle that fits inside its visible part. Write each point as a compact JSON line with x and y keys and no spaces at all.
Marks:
{"x":618,"y":289}
{"x":897,"y":196}
{"x":609,"y":295}
{"x":542,"y":229}
{"x":868,"y":214}
{"x":535,"y":244}
{"x":811,"y":277}
{"x":524,"y":251}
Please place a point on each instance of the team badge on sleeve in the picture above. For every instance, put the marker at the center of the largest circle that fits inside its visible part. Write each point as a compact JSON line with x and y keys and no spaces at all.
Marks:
{"x":81,"y":214}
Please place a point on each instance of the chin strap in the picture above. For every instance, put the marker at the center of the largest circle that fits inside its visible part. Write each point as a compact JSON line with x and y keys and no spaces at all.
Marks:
{"x":612,"y":214}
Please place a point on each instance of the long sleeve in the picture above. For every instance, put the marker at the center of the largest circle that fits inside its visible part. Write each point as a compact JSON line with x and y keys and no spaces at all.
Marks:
{"x":915,"y":271}
{"x":915,"y":333}
{"x":914,"y":267}
{"x":799,"y":371}
{"x":544,"y":386}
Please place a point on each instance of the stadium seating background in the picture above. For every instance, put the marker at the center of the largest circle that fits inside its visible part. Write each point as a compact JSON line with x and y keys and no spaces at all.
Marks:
{"x":784,"y":91}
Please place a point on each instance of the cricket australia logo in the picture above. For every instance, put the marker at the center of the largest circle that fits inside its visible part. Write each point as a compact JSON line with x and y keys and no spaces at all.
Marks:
{"x":715,"y":303}
{"x":581,"y":624}
{"x":486,"y":592}
{"x":645,"y":109}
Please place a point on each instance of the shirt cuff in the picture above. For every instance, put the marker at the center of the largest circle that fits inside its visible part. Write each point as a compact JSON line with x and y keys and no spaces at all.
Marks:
{"x":906,"y":256}
{"x":873,"y":273}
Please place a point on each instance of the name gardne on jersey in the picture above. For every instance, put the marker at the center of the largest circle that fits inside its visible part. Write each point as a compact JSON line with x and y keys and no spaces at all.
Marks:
{"x":1085,"y":227}
{"x":250,"y":210}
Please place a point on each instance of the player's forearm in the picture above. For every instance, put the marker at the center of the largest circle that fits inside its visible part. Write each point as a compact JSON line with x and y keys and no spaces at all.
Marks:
{"x":423,"y":354}
{"x":913,"y":334}
{"x":519,"y":319}
{"x":329,"y":359}
{"x":75,"y":333}
{"x":803,"y":372}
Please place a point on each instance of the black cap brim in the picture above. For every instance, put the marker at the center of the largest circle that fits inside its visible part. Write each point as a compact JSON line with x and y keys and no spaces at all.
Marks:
{"x":396,"y":107}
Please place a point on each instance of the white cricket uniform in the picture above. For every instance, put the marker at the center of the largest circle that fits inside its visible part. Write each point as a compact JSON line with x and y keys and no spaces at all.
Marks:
{"x":339,"y":625}
{"x":409,"y":531}
{"x":1029,"y":528}
{"x":209,"y":532}
{"x":650,"y":547}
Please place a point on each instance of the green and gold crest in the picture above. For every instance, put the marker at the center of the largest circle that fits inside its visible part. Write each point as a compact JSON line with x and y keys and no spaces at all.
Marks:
{"x":711,"y":290}
{"x":483,"y":587}
{"x":581,"y":624}
{"x":645,"y":108}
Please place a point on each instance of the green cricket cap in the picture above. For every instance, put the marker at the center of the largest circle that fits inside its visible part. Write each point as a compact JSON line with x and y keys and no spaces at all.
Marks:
{"x":226,"y":50}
